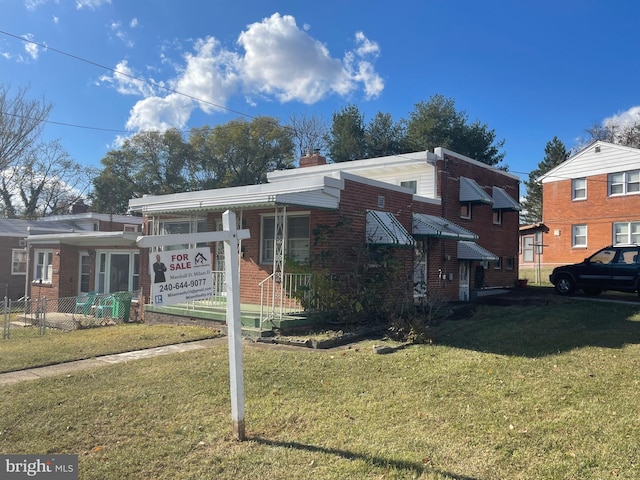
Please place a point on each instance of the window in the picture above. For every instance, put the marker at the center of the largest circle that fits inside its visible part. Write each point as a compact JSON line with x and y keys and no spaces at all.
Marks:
{"x":623,"y":183}
{"x":509,"y":263}
{"x":579,"y":189}
{"x":527,"y":248}
{"x":18,"y":261}
{"x":85,"y":273}
{"x":465,"y":210}
{"x":626,"y":232}
{"x":497,"y":217}
{"x":579,"y":236}
{"x":498,"y":264}
{"x":171,"y":227}
{"x":43,"y":265}
{"x":297,"y":241}
{"x":118,"y":271}
{"x":411,"y":185}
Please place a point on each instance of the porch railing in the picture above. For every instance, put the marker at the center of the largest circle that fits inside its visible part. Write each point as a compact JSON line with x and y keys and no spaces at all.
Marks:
{"x":219,"y":297}
{"x":283,"y":297}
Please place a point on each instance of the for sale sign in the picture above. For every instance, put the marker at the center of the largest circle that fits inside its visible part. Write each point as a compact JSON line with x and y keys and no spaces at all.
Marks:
{"x":180,"y":276}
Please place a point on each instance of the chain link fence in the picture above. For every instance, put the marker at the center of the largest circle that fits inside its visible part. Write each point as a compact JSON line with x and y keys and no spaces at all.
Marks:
{"x":37,"y":316}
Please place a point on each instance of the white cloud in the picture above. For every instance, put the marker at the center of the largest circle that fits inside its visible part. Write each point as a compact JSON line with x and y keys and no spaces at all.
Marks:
{"x":279,"y":61}
{"x":32,"y":49}
{"x":155,"y":113}
{"x":624,"y":119}
{"x":126,"y":82}
{"x":93,"y":4}
{"x":116,"y":28}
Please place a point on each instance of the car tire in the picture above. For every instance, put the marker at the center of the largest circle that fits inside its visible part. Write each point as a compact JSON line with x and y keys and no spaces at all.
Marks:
{"x":565,"y":285}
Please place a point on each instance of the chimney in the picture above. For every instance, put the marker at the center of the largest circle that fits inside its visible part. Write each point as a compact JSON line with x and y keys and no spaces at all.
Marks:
{"x":312,"y":159}
{"x":79,"y":207}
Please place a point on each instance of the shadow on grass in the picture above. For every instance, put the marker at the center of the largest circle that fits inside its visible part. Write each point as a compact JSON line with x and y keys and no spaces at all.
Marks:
{"x":415,"y":468}
{"x":538,"y":330}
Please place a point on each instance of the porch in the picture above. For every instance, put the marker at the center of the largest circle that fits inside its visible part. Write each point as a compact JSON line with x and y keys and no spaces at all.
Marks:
{"x":280,"y":307}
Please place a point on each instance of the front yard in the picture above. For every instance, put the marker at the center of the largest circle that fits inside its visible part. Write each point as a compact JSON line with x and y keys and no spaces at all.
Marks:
{"x":544,"y":392}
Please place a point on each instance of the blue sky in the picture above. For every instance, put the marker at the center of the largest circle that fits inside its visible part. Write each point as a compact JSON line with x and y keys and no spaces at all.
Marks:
{"x":529,"y":70}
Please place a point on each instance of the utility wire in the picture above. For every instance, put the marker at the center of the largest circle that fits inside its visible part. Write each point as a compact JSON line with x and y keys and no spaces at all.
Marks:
{"x":117,"y":72}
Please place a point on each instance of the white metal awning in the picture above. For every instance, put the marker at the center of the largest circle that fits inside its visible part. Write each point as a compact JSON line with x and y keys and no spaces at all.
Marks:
{"x":383,"y":228}
{"x":434,"y":226}
{"x":473,"y":251}
{"x":470,"y":191}
{"x":503,"y":201}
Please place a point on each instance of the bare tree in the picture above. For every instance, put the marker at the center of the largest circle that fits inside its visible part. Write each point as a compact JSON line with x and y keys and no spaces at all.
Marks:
{"x":21,"y":121}
{"x":46,"y":181}
{"x":309,"y":132}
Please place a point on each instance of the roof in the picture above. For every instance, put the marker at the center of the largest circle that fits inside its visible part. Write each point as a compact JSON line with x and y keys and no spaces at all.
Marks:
{"x":596,"y":159}
{"x":383,"y":228}
{"x":473,"y":251}
{"x":433,"y":226}
{"x":14,"y":227}
{"x":86,"y":239}
{"x":317,"y":192}
{"x":470,"y":191}
{"x":317,"y":186}
{"x":503,"y":201}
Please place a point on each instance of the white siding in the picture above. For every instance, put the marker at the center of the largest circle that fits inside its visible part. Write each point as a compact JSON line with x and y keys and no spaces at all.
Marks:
{"x":609,"y":159}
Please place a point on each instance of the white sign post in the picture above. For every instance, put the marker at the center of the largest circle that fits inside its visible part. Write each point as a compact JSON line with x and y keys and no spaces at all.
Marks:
{"x":230,"y":236}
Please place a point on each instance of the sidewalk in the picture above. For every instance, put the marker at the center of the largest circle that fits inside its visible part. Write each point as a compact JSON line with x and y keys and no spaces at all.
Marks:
{"x":69,"y":367}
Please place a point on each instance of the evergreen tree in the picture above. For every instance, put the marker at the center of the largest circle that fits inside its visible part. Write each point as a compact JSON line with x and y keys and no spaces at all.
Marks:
{"x":554,"y":154}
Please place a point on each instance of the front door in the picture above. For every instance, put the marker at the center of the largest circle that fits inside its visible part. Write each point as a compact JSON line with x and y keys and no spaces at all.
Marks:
{"x":464,"y":281}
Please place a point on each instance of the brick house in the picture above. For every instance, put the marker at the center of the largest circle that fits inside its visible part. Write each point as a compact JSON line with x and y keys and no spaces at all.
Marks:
{"x":590,"y":201}
{"x":68,"y":255}
{"x":453,"y":222}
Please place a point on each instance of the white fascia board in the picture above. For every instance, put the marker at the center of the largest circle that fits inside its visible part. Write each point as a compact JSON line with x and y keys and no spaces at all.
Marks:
{"x":233,"y":197}
{"x":391,"y":161}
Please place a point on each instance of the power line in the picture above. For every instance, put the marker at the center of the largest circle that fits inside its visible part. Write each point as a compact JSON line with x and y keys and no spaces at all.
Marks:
{"x":133,"y":77}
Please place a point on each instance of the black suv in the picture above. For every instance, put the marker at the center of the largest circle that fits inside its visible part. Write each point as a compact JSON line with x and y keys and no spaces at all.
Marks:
{"x":616,"y":267}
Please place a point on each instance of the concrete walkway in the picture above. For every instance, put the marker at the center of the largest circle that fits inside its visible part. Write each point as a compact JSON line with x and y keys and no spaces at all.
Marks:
{"x":69,"y":367}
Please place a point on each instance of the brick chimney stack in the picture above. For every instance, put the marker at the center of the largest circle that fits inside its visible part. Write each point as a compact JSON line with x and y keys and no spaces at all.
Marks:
{"x":79,"y":207}
{"x":312,"y":159}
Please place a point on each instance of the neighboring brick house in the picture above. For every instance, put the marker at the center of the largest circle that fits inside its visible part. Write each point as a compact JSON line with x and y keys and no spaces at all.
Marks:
{"x":590,"y":201}
{"x":457,"y":215}
{"x":68,"y":255}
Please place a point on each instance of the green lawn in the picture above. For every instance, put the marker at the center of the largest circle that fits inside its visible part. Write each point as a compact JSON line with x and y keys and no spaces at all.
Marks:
{"x":535,"y":392}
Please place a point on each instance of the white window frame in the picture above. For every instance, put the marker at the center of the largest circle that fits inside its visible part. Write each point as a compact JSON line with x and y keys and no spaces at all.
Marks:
{"x":624,"y":183}
{"x":411,"y":185}
{"x":102,"y":279}
{"x":267,"y":247}
{"x":579,"y":189}
{"x":577,"y":236}
{"x":16,"y":253}
{"x":182,"y":226}
{"x":43,"y":265}
{"x":626,"y":232}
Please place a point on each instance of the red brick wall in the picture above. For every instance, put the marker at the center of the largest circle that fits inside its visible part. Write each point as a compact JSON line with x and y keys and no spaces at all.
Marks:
{"x":502,"y":239}
{"x":598,"y":211}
